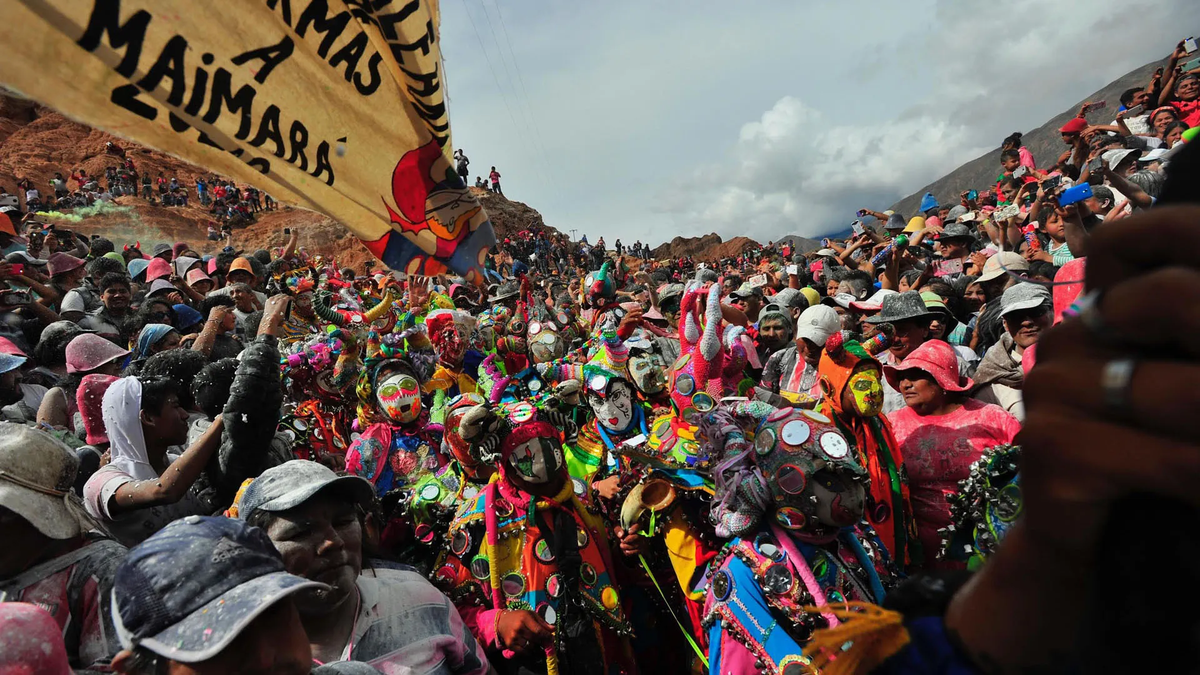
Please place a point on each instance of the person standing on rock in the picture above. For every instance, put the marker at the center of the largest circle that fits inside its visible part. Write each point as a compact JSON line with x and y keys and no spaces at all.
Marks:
{"x":462,"y":163}
{"x":495,"y":176}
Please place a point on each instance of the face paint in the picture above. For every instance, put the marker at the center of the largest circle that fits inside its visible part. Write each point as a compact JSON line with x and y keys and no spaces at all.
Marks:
{"x":614,"y":411}
{"x":867,"y":391}
{"x":399,"y":397}
{"x":536,"y":460}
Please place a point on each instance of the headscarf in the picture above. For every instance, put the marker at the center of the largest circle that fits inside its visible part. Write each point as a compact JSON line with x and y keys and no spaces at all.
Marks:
{"x":122,"y":409}
{"x":888,"y":508}
{"x":151,"y":335}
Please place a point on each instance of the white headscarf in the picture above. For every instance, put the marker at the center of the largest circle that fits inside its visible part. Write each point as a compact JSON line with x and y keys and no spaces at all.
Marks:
{"x":121,"y":408}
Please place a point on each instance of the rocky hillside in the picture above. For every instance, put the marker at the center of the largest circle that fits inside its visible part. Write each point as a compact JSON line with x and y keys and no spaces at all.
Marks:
{"x":707,"y":247}
{"x":36,"y":142}
{"x":1044,"y":142}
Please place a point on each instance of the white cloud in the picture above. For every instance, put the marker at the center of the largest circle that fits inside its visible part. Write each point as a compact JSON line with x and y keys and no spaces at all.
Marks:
{"x":798,"y":170}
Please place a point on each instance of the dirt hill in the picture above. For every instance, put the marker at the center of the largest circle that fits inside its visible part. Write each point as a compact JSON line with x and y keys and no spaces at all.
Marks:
{"x":707,"y":247}
{"x":36,"y":142}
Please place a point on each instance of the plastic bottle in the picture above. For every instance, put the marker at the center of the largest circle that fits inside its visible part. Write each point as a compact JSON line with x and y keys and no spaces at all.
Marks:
{"x":900,"y":241}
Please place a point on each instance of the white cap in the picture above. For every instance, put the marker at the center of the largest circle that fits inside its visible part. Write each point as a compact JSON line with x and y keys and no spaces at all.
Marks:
{"x":817,"y":323}
{"x":873,"y":303}
{"x":1153,"y":156}
{"x":1113,"y":158}
{"x":827,"y":252}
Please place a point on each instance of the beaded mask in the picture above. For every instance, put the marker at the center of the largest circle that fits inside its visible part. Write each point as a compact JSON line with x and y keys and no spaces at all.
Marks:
{"x":799,"y":469}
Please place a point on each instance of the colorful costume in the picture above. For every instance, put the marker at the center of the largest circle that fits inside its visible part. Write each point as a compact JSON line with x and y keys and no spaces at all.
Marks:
{"x":510,"y":550}
{"x":845,"y":364}
{"x":790,"y":492}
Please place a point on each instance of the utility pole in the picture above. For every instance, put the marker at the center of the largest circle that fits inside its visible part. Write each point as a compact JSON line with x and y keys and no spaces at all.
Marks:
{"x":573,"y":231}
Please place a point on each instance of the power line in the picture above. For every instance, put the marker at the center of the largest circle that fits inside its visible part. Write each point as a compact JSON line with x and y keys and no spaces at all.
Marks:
{"x":521,"y":80}
{"x":496,"y":79}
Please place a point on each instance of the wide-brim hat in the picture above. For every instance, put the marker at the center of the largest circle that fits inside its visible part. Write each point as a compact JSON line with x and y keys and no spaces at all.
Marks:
{"x":936,"y":358}
{"x":38,"y":472}
{"x":901,"y":307}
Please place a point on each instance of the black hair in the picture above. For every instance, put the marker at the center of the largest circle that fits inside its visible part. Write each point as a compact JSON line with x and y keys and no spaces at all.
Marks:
{"x":218,"y":300}
{"x":225,"y":259}
{"x":1010,"y":154}
{"x":1012,"y":141}
{"x":262,"y":255}
{"x":52,"y":352}
{"x":113,"y":279}
{"x":1177,"y":124}
{"x":180,"y":366}
{"x":1128,"y":94}
{"x":99,"y":267}
{"x":1041,"y":268}
{"x":860,"y":280}
{"x":99,"y":246}
{"x":139,"y":320}
{"x":210,"y":388}
{"x":155,"y":392}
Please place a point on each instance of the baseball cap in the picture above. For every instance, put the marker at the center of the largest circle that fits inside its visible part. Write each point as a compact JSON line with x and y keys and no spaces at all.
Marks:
{"x":827,"y":252}
{"x":1073,"y":126}
{"x":811,"y":295}
{"x":294,"y":482}
{"x":1153,"y":156}
{"x":934,"y":301}
{"x":873,"y":303}
{"x":996,"y":265}
{"x":817,"y":323}
{"x":190,"y":590}
{"x":747,"y":291}
{"x":792,"y":298}
{"x":37,"y":474}
{"x":842,"y":300}
{"x":1024,"y":296}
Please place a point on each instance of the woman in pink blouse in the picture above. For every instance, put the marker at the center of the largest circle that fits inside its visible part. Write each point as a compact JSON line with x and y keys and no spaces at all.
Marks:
{"x":940,"y":432}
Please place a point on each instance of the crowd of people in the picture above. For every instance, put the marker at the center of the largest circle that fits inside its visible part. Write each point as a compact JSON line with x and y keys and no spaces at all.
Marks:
{"x":604,"y":462}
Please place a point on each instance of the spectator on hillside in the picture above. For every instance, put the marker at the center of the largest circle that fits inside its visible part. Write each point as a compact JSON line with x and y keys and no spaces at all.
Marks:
{"x":462,"y":164}
{"x":495,"y":178}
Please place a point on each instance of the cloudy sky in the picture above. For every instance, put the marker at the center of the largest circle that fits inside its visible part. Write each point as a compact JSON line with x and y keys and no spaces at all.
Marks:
{"x":652,"y":119}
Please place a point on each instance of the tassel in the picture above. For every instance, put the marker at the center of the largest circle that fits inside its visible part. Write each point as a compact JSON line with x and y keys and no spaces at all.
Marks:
{"x":867,"y":636}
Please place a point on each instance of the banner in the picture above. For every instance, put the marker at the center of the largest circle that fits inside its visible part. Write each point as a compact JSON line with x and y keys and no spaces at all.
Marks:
{"x":338,"y":106}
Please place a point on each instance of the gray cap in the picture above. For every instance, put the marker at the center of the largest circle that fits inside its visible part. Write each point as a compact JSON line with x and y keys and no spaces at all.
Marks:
{"x":160,"y":249}
{"x":1025,"y":296}
{"x":705,"y":275}
{"x":292,"y":483}
{"x":842,"y":300}
{"x":59,"y":328}
{"x":791,"y":298}
{"x":955,"y":212}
